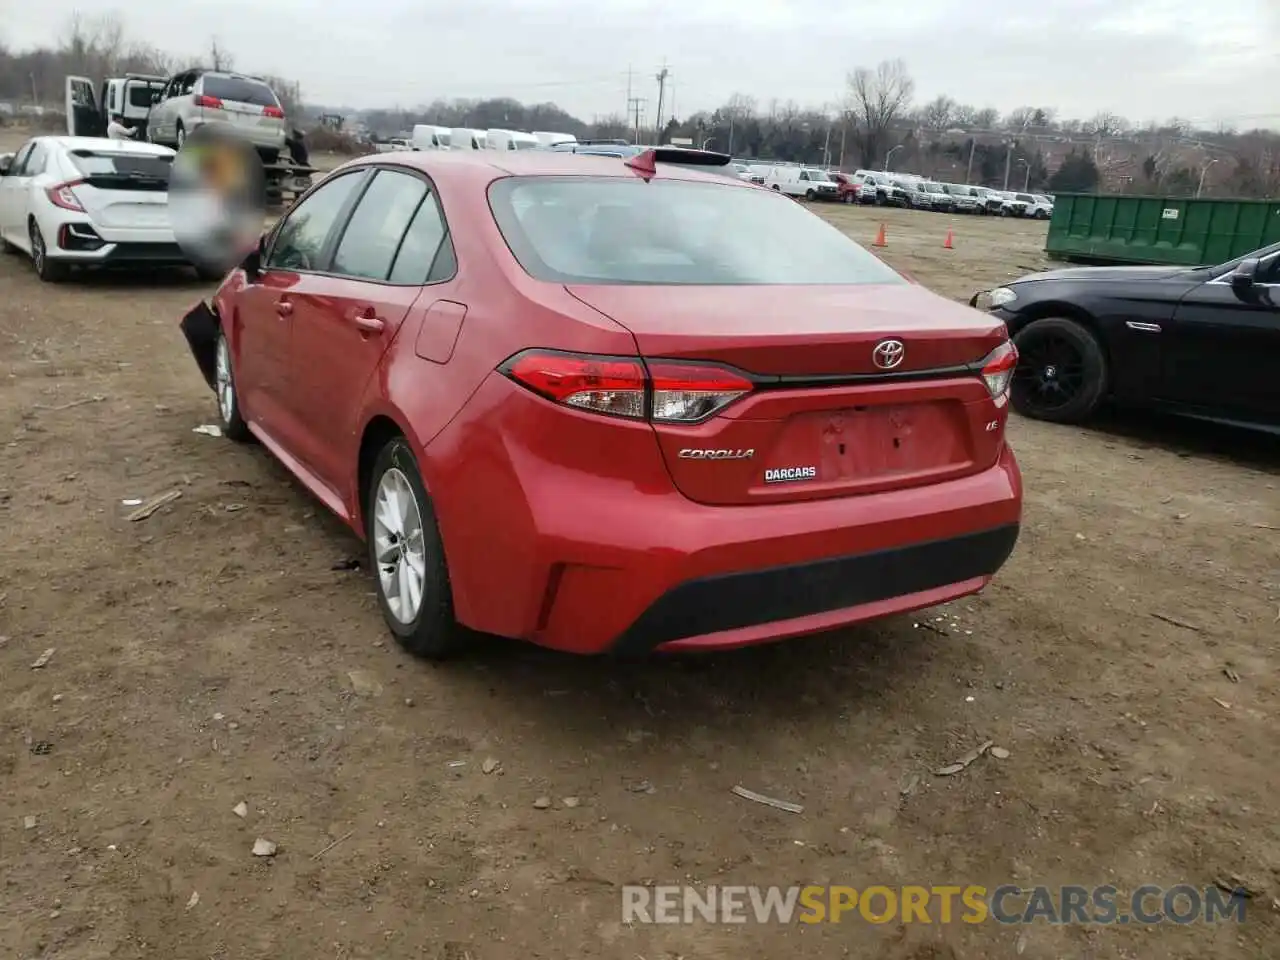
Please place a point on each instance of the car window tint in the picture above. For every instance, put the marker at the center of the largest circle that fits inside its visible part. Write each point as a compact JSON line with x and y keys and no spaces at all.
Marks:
{"x":374,"y":232}
{"x":37,"y":159}
{"x":421,"y":242}
{"x":445,"y":264}
{"x":19,"y":160}
{"x":300,"y":241}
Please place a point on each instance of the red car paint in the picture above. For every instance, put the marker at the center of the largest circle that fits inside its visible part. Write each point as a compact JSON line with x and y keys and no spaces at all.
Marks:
{"x":591,"y":532}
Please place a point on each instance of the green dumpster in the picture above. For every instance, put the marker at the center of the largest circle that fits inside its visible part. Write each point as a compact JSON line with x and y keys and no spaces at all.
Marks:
{"x":1089,"y":228}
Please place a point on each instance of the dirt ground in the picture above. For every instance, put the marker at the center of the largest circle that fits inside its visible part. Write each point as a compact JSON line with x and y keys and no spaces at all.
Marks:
{"x":212,"y":655}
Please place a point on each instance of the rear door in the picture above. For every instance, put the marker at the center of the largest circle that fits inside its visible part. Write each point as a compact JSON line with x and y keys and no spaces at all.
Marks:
{"x":381,"y":262}
{"x":123,"y":190}
{"x":84,"y":114}
{"x":1223,"y":353}
{"x":285,"y":293}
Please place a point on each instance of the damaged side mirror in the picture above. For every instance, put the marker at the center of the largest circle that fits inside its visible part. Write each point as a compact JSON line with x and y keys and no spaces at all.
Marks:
{"x":252,"y":264}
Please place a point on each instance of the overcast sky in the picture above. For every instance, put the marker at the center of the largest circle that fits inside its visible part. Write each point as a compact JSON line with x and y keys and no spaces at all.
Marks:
{"x":1145,"y":59}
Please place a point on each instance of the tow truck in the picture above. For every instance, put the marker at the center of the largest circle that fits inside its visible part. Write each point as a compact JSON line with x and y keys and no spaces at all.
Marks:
{"x":133,"y":95}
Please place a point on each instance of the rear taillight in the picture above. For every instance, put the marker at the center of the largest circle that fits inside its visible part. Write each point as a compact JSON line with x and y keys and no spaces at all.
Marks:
{"x":664,"y":391}
{"x":61,"y":195}
{"x":997,"y":369}
{"x":209,"y":103}
{"x":274,"y":112}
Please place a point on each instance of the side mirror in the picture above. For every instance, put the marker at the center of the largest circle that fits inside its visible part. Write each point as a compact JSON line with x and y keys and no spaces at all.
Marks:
{"x":6,"y":164}
{"x":252,"y":264}
{"x":1244,"y":277}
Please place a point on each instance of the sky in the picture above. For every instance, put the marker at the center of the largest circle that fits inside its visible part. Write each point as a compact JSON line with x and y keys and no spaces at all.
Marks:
{"x":1143,"y":59}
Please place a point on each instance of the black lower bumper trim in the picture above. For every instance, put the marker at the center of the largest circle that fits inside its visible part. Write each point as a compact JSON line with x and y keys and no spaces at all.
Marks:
{"x":738,"y":600}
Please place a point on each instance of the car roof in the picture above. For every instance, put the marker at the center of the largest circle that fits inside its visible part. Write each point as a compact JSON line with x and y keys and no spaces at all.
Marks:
{"x":115,"y":146}
{"x":485,"y":166}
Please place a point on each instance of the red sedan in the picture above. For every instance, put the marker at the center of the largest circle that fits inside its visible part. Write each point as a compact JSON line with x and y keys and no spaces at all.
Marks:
{"x":615,"y":405}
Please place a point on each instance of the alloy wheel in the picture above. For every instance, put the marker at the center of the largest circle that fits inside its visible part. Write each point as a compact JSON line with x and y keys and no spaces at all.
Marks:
{"x":398,"y":542}
{"x":1050,"y":373}
{"x":223,"y":383}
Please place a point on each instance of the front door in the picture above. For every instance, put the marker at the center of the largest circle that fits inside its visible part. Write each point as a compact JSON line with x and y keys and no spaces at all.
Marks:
{"x":1224,"y":351}
{"x":380,"y":265}
{"x":270,"y":307}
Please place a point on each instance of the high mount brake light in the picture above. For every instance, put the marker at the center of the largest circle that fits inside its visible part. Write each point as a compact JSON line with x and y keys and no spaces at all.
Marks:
{"x":61,"y":195}
{"x":663,"y":391}
{"x":998,"y":367}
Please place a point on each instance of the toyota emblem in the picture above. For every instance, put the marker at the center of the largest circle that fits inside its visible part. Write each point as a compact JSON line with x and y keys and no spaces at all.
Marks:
{"x":888,"y":354}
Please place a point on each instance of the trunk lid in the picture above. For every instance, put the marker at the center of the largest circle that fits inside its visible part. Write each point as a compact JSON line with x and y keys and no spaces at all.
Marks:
{"x":824,"y":420}
{"x":118,"y":204}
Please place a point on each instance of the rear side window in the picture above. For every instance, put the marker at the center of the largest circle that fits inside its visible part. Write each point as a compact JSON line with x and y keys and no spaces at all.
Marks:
{"x":239,"y":91}
{"x":426,"y":256}
{"x":95,"y":163}
{"x":373,"y":234}
{"x":614,"y":230}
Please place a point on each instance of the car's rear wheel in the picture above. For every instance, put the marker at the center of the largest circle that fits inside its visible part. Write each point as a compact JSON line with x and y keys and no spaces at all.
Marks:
{"x":181,"y":135}
{"x":50,"y":271}
{"x":407,"y":555}
{"x":1062,"y":371}
{"x":848,"y":198}
{"x":224,"y":385}
{"x":810,"y":196}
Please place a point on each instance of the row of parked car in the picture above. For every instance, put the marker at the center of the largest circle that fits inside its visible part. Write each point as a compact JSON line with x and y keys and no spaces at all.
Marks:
{"x":893,"y":190}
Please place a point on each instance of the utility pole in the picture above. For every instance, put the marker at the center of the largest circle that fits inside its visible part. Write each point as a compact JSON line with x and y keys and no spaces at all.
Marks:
{"x":1008,"y":164}
{"x":661,"y":77}
{"x":968,"y":175}
{"x":634,"y":107}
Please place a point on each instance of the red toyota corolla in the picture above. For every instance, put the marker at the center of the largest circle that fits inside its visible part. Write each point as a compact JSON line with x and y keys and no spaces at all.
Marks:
{"x":615,"y":405}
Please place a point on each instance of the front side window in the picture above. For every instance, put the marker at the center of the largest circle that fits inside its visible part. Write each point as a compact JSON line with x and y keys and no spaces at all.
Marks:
{"x":299,"y":244}
{"x":613,"y":230}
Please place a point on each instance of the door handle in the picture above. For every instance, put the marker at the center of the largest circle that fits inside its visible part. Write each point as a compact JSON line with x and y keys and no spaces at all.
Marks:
{"x":368,"y":322}
{"x":284,"y":308}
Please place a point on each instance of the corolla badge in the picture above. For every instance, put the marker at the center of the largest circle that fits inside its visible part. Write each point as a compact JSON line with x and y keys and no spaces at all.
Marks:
{"x":888,"y":354}
{"x":702,"y":453}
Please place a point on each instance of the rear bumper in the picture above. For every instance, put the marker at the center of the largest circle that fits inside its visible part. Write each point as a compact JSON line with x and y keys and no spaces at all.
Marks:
{"x":554,"y":543}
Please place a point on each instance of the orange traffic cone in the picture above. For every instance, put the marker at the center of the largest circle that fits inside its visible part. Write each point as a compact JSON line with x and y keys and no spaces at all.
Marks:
{"x":947,"y":245}
{"x":880,"y":240}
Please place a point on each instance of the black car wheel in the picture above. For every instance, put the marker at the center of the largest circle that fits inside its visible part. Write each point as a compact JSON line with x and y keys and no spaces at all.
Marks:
{"x":1062,"y":371}
{"x":810,"y":195}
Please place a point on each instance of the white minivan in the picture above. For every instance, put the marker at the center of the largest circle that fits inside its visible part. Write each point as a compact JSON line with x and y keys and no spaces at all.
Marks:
{"x":427,"y":136}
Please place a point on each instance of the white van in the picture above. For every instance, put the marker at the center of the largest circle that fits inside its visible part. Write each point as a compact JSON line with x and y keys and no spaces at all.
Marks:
{"x":548,"y":138}
{"x":427,"y":136}
{"x":807,"y":182}
{"x":511,"y":140}
{"x":464,"y":138}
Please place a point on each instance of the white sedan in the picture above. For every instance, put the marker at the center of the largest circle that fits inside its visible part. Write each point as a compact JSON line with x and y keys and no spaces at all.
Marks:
{"x":88,"y":201}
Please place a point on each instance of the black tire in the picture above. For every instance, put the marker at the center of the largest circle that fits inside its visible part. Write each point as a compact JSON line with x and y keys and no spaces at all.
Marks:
{"x":848,"y":197}
{"x":229,"y":414}
{"x":434,"y":633}
{"x":50,"y":271}
{"x":209,"y":274}
{"x":776,"y":187}
{"x":1062,"y":373}
{"x":810,"y":195}
{"x":179,"y":136}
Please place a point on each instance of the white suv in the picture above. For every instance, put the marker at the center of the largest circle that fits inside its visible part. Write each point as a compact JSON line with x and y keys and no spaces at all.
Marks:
{"x":198,"y":97}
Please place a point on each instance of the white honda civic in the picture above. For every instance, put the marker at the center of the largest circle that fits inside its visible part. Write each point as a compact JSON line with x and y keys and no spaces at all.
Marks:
{"x":88,"y":201}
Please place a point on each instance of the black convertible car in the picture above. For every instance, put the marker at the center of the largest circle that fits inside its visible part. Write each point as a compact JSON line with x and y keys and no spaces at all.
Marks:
{"x":1202,"y":342}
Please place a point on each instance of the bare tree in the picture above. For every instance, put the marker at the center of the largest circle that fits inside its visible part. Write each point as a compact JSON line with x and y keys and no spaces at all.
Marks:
{"x":878,"y":98}
{"x":938,"y":115}
{"x":988,"y":118}
{"x":965,"y":115}
{"x":1019,"y":119}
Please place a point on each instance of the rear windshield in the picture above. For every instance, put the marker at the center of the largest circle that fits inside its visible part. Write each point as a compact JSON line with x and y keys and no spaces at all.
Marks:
{"x":94,"y":163}
{"x":598,"y":230}
{"x":140,"y":94}
{"x":239,"y":91}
